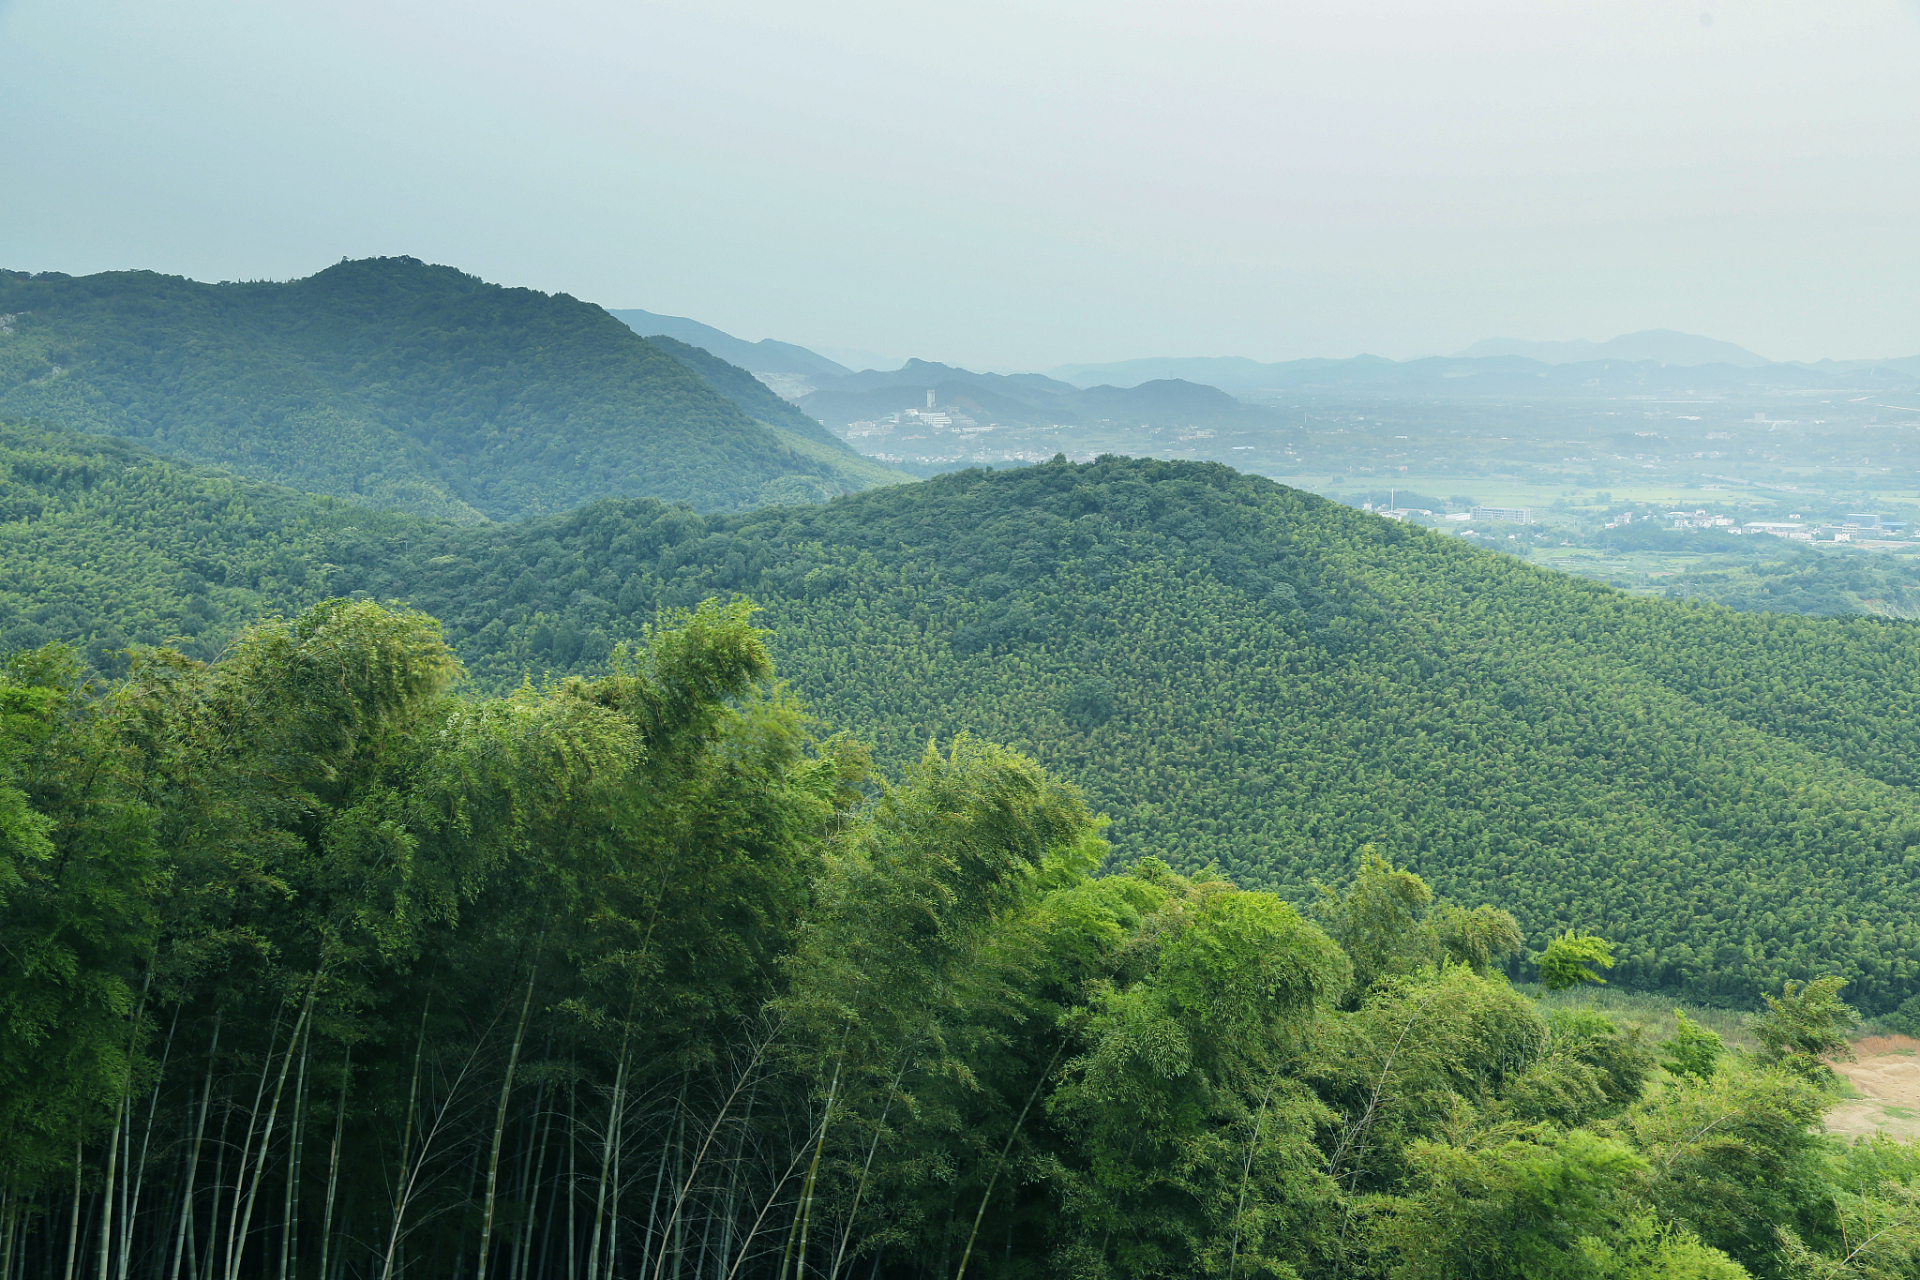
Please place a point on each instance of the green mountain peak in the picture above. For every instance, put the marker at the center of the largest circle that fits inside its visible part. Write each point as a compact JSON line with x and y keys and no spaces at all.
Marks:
{"x":400,"y":385}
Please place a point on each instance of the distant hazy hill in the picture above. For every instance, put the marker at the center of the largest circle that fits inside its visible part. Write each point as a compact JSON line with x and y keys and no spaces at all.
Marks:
{"x":1900,"y":367}
{"x":1020,"y":397}
{"x":1495,"y":375}
{"x":764,"y":356}
{"x":1235,"y":374}
{"x":1663,"y":346}
{"x":1237,"y":672}
{"x":1162,"y":398}
{"x":397,"y":384}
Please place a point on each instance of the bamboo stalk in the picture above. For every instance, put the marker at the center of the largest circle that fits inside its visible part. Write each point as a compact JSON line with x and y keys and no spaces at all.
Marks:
{"x":394,"y":1257}
{"x":106,"y":1204}
{"x":115,"y":1139}
{"x":246,"y":1154}
{"x":523,"y":1245}
{"x":146,"y":1143}
{"x":606,"y":1160}
{"x":193,"y":1160}
{"x":726,"y":1106}
{"x":219,"y":1185}
{"x":1246,"y":1174}
{"x":613,"y":1205}
{"x":813,"y":1178}
{"x":266,"y":1137}
{"x":678,"y":1234}
{"x":733,"y":1184}
{"x":12,"y":1213}
{"x":860,"y":1189}
{"x":73,"y":1225}
{"x":500,"y":1125}
{"x":120,"y":1216}
{"x":333,"y":1160}
{"x":406,"y":1141}
{"x":289,"y":1220}
{"x":659,"y":1176}
{"x":573,"y":1181}
{"x":765,"y":1208}
{"x":1001,"y":1162}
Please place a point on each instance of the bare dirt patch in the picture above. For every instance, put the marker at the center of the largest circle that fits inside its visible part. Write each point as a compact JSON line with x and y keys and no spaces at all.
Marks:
{"x":1886,"y":1073}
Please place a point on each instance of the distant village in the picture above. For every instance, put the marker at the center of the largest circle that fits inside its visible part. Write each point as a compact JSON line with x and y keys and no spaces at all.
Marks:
{"x":918,"y":424}
{"x":941,"y":434}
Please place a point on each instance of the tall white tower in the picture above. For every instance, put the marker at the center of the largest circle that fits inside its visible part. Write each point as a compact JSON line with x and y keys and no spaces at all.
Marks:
{"x":929,"y":399}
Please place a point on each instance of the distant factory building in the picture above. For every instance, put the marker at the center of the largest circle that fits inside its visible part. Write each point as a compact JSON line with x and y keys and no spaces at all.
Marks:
{"x":1511,"y":515}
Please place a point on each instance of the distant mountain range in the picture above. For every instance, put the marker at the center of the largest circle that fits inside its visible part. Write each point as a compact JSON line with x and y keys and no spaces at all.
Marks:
{"x":1205,"y":390}
{"x":402,"y":385}
{"x":822,"y":391}
{"x":1662,"y":346}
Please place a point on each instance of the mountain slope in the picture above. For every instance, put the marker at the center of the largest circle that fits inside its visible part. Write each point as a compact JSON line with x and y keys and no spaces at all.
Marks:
{"x":753,"y":396}
{"x":764,"y":356}
{"x":392,"y":383}
{"x":1238,"y":672}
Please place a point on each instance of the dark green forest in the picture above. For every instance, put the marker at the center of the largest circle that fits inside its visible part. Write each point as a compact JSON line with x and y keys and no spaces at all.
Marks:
{"x":402,"y":386}
{"x":1238,"y":674}
{"x":322,"y":965}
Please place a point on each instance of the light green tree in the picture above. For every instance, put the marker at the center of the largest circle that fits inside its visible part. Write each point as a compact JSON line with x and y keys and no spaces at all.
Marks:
{"x":1693,"y":1050}
{"x":1804,"y":1025}
{"x":1565,"y":963}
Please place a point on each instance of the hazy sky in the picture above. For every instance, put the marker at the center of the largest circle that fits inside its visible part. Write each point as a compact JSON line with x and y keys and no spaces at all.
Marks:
{"x":1011,"y":184}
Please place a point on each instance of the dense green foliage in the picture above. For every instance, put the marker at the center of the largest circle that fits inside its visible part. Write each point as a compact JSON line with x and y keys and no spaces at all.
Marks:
{"x":333,"y":971}
{"x":402,"y":386}
{"x":103,"y":544}
{"x":1238,"y":674}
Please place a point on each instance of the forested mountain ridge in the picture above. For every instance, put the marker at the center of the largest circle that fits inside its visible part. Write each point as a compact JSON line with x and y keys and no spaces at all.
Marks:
{"x":399,"y":385}
{"x":1237,"y":672}
{"x":1249,"y":675}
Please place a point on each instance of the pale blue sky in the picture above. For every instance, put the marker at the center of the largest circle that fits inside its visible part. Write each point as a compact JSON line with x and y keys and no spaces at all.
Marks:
{"x":1011,"y":184}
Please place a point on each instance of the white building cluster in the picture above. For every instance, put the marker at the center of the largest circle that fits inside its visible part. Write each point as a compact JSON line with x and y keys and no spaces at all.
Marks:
{"x":919,"y":424}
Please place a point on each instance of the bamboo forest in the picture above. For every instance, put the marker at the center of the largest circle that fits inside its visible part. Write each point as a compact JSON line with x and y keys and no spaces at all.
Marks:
{"x":320,"y":965}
